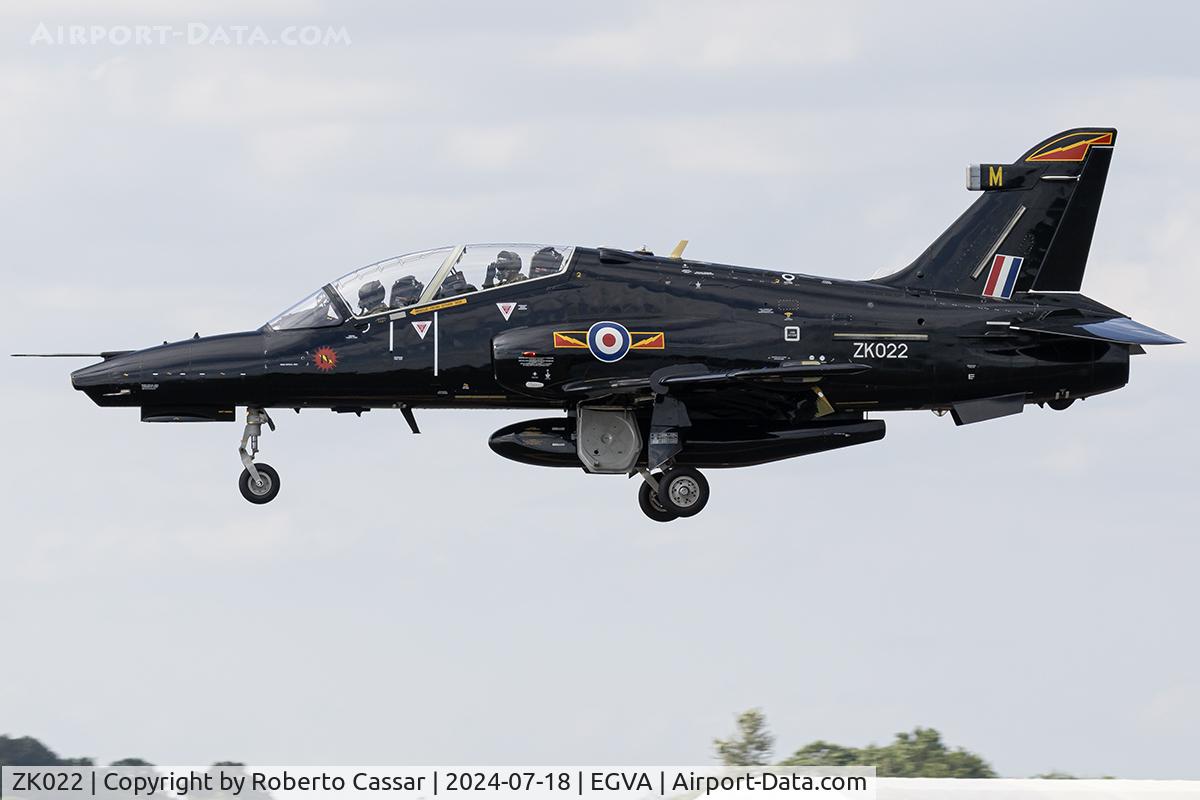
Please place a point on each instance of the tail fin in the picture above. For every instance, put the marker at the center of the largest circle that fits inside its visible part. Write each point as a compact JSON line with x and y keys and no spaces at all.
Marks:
{"x":1032,"y":228}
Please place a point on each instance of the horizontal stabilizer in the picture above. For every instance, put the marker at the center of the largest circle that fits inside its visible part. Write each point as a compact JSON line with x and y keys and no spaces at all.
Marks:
{"x":1121,"y":330}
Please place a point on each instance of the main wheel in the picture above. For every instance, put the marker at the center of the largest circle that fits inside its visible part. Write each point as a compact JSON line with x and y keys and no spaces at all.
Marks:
{"x":682,"y":491}
{"x":653,"y":509}
{"x":262,"y":491}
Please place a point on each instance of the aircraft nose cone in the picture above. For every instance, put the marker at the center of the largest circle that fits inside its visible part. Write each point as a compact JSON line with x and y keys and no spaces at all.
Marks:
{"x":107,"y":380}
{"x":94,"y":375}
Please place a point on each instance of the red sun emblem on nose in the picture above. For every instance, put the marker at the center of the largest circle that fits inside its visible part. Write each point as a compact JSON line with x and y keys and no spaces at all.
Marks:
{"x":325,"y":358}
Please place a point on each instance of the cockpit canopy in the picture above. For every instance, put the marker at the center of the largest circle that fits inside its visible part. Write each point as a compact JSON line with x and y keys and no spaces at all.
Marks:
{"x":422,"y":277}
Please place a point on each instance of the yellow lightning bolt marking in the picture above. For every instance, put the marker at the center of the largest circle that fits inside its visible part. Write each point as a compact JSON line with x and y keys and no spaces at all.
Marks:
{"x":1096,"y":139}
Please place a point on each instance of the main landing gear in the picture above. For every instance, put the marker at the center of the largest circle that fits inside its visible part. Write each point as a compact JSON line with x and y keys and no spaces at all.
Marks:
{"x":259,"y":483}
{"x":671,"y":494}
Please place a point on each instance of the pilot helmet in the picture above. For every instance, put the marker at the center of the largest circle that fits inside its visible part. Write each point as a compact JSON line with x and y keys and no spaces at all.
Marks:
{"x":370,"y":296}
{"x":546,"y":261}
{"x":508,"y":264}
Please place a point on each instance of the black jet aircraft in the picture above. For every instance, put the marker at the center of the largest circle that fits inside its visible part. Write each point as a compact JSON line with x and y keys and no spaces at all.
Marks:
{"x":662,"y":366}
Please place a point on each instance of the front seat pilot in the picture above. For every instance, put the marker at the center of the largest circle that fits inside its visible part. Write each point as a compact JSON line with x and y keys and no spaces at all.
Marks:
{"x":370,"y":298}
{"x":505,"y":269}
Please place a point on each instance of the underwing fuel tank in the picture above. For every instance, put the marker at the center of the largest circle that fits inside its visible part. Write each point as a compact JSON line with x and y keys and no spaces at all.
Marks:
{"x":550,"y":442}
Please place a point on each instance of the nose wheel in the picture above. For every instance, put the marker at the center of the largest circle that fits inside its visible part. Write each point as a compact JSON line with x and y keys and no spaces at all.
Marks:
{"x":260,"y":490}
{"x":259,"y":483}
{"x":677,"y":492}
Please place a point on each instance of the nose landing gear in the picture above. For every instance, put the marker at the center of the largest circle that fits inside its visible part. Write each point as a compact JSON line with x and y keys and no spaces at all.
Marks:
{"x":259,"y":483}
{"x":677,"y":492}
{"x":262,"y":489}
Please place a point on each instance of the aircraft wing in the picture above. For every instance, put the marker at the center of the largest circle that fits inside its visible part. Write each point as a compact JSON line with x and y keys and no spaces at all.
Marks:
{"x":688,"y":375}
{"x":1120,"y":330}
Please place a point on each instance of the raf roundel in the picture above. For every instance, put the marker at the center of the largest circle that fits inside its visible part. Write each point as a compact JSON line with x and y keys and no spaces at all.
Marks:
{"x":608,"y":341}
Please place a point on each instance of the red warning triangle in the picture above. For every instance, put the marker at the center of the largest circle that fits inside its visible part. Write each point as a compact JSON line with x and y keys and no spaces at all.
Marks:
{"x":422,"y":327}
{"x":506,"y":309}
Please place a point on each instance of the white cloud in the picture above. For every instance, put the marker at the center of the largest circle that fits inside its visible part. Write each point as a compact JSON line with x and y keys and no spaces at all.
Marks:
{"x":1173,"y":710}
{"x":100,"y":70}
{"x":294,"y":150}
{"x":231,"y":91}
{"x":491,"y":147}
{"x":710,"y":36}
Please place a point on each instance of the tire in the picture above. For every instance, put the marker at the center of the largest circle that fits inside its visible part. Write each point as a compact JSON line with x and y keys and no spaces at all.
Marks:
{"x":682,"y":491}
{"x":648,"y":501}
{"x":260,"y":494}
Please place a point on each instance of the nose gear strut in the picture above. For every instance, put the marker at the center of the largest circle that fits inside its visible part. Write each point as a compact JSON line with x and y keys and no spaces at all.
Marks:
{"x":259,"y":483}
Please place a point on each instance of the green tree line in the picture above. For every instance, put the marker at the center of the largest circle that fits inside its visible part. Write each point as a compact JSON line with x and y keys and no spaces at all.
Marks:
{"x":920,"y":754}
{"x":25,"y":751}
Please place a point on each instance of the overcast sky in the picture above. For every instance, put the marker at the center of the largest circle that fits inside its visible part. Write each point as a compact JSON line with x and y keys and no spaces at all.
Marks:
{"x":1027,"y":586}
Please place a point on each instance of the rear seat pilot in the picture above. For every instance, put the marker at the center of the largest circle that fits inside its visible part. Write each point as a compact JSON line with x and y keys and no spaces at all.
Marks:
{"x":406,"y":291}
{"x":455,"y":284}
{"x":546,"y":261}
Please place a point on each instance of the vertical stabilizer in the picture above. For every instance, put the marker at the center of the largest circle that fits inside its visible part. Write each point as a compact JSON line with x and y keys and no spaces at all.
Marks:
{"x":1030,"y":230}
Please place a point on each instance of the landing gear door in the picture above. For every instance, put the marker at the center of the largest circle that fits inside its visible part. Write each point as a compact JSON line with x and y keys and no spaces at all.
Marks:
{"x":608,"y":440}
